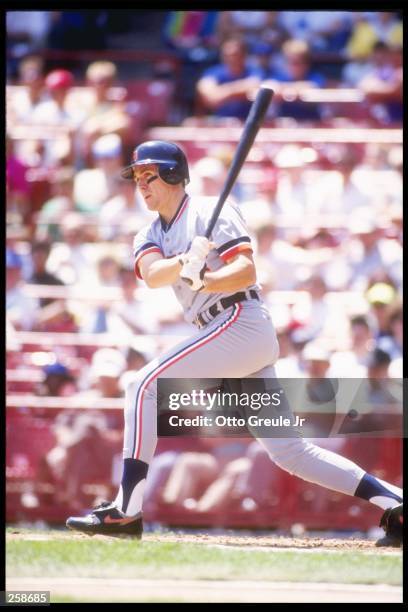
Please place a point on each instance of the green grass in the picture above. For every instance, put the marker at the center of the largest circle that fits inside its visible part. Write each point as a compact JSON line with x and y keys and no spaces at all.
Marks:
{"x":155,"y":560}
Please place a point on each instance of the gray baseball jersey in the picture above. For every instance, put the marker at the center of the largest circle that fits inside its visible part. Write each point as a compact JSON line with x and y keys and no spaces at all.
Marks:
{"x":191,"y":219}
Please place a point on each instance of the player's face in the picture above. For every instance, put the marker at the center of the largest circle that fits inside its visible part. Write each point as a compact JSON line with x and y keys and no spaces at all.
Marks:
{"x":151,"y":186}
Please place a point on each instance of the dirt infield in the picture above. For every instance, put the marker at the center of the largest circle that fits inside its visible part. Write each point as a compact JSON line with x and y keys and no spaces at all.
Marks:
{"x":194,"y":591}
{"x":306,"y":543}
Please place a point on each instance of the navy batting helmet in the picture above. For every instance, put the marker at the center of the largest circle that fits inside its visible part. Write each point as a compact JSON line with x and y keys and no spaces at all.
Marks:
{"x":172,"y":162}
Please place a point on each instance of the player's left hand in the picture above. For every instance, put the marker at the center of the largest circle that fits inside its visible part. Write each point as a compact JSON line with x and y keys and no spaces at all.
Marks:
{"x":192,"y":273}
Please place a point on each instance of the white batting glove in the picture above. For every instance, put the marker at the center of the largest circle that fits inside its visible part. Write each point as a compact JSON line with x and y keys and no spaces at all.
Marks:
{"x":200,"y":247}
{"x":192,"y":273}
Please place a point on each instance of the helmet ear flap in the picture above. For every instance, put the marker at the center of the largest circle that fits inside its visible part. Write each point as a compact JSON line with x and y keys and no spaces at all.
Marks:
{"x":171,"y":175}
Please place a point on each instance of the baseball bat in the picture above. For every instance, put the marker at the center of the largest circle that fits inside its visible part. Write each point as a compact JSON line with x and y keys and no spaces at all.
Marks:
{"x":251,"y":127}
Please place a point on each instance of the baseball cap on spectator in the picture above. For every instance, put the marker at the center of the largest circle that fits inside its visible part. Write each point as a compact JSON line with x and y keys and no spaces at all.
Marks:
{"x":13,"y":260}
{"x":57,"y":369}
{"x":107,"y":146}
{"x":107,"y":362}
{"x":59,"y":79}
{"x":381,"y":293}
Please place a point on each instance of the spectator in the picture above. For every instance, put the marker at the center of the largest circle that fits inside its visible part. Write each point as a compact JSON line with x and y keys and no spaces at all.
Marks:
{"x":223,"y":490}
{"x":24,"y":99}
{"x":100,"y":317}
{"x":324,"y":31}
{"x":208,"y":176}
{"x":83,"y":454}
{"x":316,"y":360}
{"x":369,"y":251}
{"x":26,"y":34}
{"x":259,"y":201}
{"x":293,"y":193}
{"x":108,"y":271}
{"x":94,"y":186}
{"x":315,"y":315}
{"x":136,"y":358}
{"x":378,"y":365}
{"x":58,"y":205}
{"x":194,"y":472}
{"x":392,"y":343}
{"x":58,"y":381}
{"x":381,"y":297}
{"x":107,"y":366}
{"x":71,"y":260}
{"x":379,"y":177}
{"x":350,"y":194}
{"x":256,"y":486}
{"x":122,"y":209}
{"x":131,"y":310}
{"x":382,"y":84}
{"x":253,"y":26}
{"x":56,"y":317}
{"x":107,"y":112}
{"x":125,"y":317}
{"x":142,"y":350}
{"x":225,"y":90}
{"x":371,"y":28}
{"x":295,"y":76}
{"x":17,"y":185}
{"x":40,"y":276}
{"x":20,"y":308}
{"x":288,"y":364}
{"x":354,"y":361}
{"x":54,"y":111}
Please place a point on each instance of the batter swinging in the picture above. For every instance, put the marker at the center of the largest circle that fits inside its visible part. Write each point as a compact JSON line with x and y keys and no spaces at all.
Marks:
{"x":235,"y":338}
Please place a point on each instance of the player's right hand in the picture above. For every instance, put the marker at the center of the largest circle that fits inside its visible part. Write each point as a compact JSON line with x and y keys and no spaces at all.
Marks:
{"x":192,"y":273}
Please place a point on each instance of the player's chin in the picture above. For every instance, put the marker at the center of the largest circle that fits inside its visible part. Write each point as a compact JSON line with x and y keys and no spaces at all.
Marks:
{"x":149,"y":202}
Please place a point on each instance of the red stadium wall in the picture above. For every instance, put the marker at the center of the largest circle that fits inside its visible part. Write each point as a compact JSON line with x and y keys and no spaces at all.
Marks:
{"x":36,"y":494}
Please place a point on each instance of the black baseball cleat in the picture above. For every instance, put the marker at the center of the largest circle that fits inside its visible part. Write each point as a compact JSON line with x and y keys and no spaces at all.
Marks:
{"x":107,"y":519}
{"x":391,"y":521}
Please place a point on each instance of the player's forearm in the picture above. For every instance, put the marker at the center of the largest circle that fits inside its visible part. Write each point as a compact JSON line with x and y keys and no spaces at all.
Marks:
{"x":163,"y":272}
{"x":237,"y":275}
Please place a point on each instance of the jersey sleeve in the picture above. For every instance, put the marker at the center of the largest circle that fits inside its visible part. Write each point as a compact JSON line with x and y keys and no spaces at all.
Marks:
{"x":144,"y":244}
{"x":230,"y":233}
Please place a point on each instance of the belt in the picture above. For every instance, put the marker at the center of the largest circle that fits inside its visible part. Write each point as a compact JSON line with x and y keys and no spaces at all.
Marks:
{"x":205,"y":317}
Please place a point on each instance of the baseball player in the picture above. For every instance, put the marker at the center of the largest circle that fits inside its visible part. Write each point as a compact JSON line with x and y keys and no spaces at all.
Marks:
{"x":234,"y":338}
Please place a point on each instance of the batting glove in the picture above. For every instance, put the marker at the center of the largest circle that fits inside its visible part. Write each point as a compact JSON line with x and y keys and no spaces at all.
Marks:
{"x":192,"y":273}
{"x":200,"y":247}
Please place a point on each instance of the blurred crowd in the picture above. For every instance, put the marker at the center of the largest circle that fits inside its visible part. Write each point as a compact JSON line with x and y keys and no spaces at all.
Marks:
{"x":325,"y":220}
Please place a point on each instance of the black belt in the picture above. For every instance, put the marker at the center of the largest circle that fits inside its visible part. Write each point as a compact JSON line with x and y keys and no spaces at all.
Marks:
{"x":205,"y":317}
